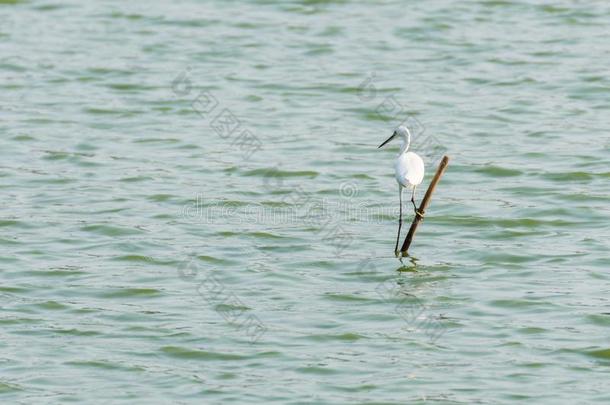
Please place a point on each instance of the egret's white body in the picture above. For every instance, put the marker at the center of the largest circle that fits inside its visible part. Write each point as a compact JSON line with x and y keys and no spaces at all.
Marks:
{"x":409,"y":170}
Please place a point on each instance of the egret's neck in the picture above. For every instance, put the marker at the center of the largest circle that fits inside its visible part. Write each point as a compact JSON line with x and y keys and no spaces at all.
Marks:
{"x":406,"y":142}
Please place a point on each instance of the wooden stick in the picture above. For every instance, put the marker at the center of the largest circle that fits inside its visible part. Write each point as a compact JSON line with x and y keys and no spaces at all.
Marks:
{"x":424,"y":204}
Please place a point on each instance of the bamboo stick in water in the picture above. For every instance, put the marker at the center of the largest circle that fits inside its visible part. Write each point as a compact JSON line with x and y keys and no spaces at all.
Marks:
{"x":424,"y":204}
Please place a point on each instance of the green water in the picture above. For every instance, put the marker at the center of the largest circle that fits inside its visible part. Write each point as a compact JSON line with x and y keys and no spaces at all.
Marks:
{"x":150,"y":255}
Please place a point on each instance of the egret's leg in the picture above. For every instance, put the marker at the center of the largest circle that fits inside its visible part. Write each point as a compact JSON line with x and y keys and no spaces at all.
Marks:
{"x":399,"y":220}
{"x":417,"y":212}
{"x":413,"y":199}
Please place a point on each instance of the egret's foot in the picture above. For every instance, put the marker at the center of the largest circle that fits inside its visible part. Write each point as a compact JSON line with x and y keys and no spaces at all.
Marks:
{"x":397,"y":253}
{"x":419,"y":214}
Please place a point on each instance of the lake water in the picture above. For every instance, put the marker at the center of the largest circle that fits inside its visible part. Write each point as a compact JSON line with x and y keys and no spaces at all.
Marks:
{"x":193,"y":208}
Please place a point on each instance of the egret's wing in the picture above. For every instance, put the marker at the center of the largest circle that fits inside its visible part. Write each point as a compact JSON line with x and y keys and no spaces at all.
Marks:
{"x":414,"y":168}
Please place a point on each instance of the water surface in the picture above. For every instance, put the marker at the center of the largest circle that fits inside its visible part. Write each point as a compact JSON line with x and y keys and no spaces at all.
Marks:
{"x":149,"y":253}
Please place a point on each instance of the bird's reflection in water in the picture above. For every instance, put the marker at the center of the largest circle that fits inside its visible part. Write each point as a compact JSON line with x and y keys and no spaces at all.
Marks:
{"x":410,"y":266}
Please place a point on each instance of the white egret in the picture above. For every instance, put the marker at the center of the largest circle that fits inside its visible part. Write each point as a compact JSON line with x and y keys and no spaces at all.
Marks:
{"x":409,"y":170}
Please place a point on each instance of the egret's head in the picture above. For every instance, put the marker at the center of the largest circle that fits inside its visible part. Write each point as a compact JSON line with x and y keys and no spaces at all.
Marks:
{"x":401,"y":132}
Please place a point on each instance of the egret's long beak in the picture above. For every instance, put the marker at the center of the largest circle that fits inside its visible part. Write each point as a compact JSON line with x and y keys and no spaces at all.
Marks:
{"x":387,"y":140}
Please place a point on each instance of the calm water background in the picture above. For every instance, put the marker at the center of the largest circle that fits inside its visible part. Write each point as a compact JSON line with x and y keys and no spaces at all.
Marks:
{"x":147,"y":256}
